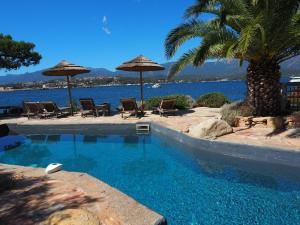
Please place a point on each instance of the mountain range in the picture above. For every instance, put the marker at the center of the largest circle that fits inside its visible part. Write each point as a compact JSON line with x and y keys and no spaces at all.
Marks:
{"x":219,"y":69}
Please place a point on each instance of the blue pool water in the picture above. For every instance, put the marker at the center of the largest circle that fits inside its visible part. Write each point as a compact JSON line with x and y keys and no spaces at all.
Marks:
{"x":187,"y":186}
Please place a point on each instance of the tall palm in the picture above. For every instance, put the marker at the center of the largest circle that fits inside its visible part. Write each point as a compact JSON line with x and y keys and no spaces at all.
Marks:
{"x":262,"y":32}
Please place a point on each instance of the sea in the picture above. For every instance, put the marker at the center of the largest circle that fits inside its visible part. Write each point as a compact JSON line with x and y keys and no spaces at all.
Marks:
{"x":234,"y":90}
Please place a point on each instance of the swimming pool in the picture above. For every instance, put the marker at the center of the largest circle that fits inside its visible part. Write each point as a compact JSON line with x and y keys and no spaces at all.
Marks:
{"x":188,"y":186}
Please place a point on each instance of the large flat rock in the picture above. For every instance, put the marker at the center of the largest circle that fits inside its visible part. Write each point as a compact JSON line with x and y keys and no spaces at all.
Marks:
{"x":36,"y":197}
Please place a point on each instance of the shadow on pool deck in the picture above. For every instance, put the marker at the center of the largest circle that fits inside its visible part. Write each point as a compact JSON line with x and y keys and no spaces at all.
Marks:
{"x":26,"y":200}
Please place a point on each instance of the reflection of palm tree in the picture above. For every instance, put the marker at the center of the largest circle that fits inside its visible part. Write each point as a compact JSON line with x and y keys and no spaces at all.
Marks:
{"x":79,"y":162}
{"x":211,"y":168}
{"x":257,"y":179}
{"x":217,"y":170}
{"x":144,"y":166}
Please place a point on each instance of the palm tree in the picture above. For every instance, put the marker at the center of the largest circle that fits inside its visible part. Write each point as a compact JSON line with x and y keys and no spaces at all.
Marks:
{"x":262,"y":32}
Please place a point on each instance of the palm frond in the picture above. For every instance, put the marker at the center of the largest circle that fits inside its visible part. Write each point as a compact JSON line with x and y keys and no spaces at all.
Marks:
{"x":186,"y":59}
{"x":182,"y":34}
{"x":244,"y":29}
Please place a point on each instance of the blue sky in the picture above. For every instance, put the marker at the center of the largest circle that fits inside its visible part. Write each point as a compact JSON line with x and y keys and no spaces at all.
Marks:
{"x":93,"y":33}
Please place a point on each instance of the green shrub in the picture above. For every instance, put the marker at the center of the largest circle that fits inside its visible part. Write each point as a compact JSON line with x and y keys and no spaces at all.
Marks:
{"x":182,"y":101}
{"x":213,"y":100}
{"x":230,"y":111}
{"x":152,"y":102}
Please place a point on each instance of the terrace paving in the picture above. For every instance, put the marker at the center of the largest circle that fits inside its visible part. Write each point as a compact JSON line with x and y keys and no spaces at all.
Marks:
{"x":284,"y":139}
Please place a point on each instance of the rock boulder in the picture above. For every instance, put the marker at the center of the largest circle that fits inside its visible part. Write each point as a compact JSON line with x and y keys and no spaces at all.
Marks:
{"x":211,"y":128}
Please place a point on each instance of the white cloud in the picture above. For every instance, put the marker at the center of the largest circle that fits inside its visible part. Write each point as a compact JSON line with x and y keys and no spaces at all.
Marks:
{"x":104,"y":20}
{"x":105,"y":26}
{"x":106,"y":30}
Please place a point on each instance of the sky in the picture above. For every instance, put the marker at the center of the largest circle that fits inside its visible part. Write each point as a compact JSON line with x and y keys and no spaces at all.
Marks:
{"x":93,"y":33}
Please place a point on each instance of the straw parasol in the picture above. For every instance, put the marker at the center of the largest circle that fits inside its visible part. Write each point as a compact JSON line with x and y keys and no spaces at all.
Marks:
{"x":64,"y":68}
{"x":140,"y":64}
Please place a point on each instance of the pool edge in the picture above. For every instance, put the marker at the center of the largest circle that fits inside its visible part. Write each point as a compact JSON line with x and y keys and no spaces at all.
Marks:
{"x":125,"y":209}
{"x":281,"y":156}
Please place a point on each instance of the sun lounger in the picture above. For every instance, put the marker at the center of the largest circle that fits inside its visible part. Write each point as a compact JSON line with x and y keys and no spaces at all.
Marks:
{"x":88,"y":107}
{"x":129,"y":106}
{"x":35,"y":109}
{"x":166,"y":107}
{"x":51,"y":107}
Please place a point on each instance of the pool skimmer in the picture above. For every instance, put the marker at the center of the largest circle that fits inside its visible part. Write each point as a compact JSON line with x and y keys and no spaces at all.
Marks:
{"x":142,"y":128}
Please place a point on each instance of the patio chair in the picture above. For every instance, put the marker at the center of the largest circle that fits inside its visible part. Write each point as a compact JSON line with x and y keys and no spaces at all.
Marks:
{"x":88,"y":107}
{"x":59,"y":112}
{"x":166,"y":107}
{"x":35,"y":109}
{"x":129,"y":106}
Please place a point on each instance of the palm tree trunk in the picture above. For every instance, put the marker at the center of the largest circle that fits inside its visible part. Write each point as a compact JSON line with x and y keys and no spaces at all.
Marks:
{"x":264,"y":89}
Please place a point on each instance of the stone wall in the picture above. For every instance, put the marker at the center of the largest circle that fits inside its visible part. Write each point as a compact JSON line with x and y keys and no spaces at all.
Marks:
{"x":268,"y":122}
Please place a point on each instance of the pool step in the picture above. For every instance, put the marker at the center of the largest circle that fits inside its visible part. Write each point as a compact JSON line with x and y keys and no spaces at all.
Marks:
{"x":142,"y":128}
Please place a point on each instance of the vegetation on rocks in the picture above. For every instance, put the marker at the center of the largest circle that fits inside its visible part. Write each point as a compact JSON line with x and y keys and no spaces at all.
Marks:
{"x":212,"y":100}
{"x":182,"y":101}
{"x":230,"y":111}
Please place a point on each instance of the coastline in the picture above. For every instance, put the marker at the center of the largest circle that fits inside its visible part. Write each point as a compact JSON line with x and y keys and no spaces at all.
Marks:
{"x":125,"y":84}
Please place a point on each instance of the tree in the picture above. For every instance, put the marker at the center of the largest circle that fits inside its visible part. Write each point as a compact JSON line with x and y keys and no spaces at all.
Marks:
{"x":14,"y":54}
{"x":262,"y":32}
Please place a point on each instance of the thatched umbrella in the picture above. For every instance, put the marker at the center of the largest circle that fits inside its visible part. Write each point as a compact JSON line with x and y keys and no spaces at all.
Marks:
{"x":140,"y":64}
{"x":64,"y":68}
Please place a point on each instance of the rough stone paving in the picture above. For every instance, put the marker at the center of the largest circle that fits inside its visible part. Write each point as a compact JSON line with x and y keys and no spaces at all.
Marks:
{"x":66,"y":197}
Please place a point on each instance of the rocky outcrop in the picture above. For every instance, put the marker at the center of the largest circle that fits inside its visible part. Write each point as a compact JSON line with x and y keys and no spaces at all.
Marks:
{"x":210,"y":129}
{"x":293,"y":121}
{"x":241,"y":121}
{"x":260,"y":122}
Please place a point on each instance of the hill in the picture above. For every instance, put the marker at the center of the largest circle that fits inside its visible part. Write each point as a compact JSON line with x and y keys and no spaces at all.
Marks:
{"x":219,"y":70}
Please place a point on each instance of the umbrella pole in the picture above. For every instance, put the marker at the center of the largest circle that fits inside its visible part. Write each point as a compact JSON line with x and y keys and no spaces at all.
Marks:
{"x":142,"y":90}
{"x":70,"y":96}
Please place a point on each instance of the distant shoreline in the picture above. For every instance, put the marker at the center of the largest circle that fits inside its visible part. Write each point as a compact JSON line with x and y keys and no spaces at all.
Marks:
{"x":114,"y":85}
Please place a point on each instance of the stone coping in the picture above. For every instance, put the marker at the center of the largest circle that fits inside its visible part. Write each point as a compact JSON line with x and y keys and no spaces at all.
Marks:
{"x":110,"y":205}
{"x":283,"y":156}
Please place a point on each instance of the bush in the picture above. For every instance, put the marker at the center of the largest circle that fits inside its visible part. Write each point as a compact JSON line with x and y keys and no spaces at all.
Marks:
{"x":182,"y":101}
{"x":230,"y":111}
{"x":213,"y":100}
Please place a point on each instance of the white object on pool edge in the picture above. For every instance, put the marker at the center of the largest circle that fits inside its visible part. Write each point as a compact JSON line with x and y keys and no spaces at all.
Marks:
{"x":53,"y":167}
